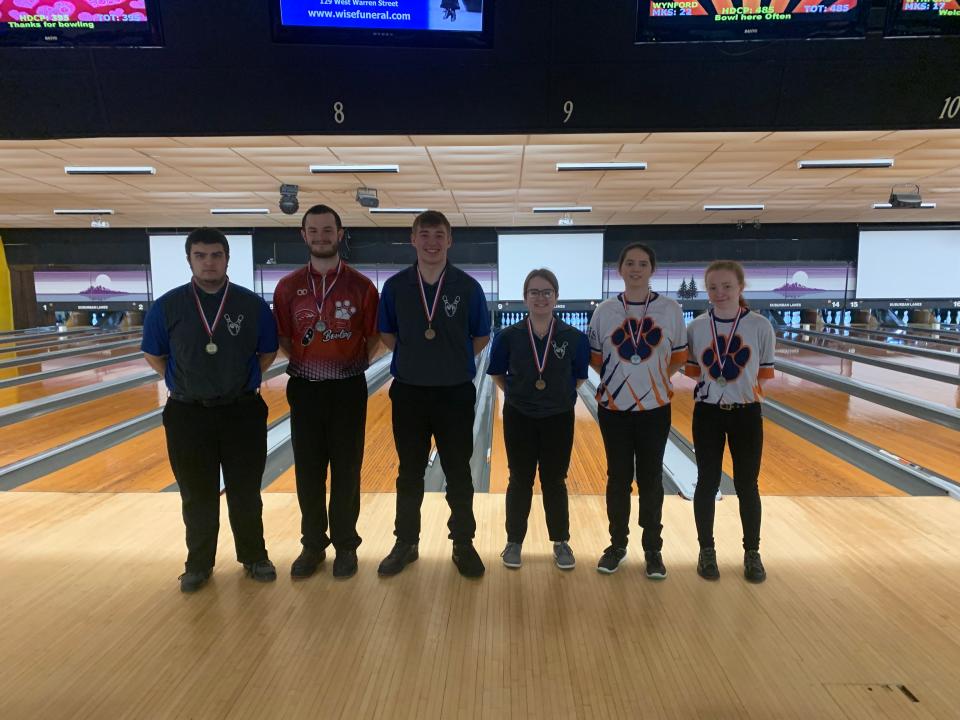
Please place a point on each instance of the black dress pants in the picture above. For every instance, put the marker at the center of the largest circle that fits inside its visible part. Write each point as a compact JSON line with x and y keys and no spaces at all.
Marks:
{"x":328,"y":422}
{"x":200,"y":442}
{"x":634,"y":443}
{"x":547,"y":442}
{"x":742,"y":427}
{"x":446,"y":414}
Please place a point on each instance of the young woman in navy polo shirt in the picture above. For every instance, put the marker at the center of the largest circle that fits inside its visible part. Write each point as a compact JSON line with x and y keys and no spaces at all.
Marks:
{"x":539,"y":363}
{"x":731,"y":354}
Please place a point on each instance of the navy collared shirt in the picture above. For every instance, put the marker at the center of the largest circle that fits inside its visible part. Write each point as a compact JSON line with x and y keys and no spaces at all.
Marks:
{"x":246,"y":330}
{"x":461,"y":316}
{"x":568,"y":357}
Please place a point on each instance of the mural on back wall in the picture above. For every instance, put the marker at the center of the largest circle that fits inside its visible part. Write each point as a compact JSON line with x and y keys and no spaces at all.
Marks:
{"x":764,"y":282}
{"x":63,"y":286}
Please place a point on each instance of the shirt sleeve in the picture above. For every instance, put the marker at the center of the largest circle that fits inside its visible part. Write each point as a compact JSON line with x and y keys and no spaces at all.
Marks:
{"x":156,"y":339}
{"x":370,"y":303}
{"x":593,"y":331}
{"x":479,"y":314}
{"x":281,"y":310}
{"x":768,"y":343}
{"x":581,"y":361}
{"x":266,"y":331}
{"x":499,"y":355}
{"x":387,"y":311}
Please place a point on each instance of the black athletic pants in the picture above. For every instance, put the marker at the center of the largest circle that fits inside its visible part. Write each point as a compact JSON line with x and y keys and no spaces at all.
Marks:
{"x":201,"y":441}
{"x":328,"y":421}
{"x":546,"y":442}
{"x":742,"y":427}
{"x":446,"y":414}
{"x":634,"y":443}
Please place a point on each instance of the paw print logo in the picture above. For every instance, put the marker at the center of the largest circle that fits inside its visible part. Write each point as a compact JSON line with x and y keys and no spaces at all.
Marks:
{"x":650,"y":337}
{"x":733,"y":363}
{"x":344,"y":310}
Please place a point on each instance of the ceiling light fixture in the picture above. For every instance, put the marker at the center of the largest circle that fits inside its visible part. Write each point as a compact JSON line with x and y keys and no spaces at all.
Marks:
{"x":889,"y":206}
{"x":562,"y":167}
{"x":321,"y":169}
{"x":720,"y":208}
{"x":864,"y":163}
{"x":66,"y":211}
{"x":564,"y":209}
{"x":109,"y":170}
{"x":239,"y":211}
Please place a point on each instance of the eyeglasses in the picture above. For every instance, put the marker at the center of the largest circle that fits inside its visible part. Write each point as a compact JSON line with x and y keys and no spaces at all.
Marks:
{"x":545,"y":294}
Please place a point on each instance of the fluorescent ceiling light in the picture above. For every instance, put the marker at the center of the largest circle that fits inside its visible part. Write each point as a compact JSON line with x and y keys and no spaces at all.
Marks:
{"x":398,"y":211}
{"x":102,"y":211}
{"x":561,"y":167}
{"x":865,"y":163}
{"x":318,"y":169}
{"x":564,"y":209}
{"x":716,"y":208}
{"x":109,"y":170}
{"x":888,"y":206}
{"x":239,"y":211}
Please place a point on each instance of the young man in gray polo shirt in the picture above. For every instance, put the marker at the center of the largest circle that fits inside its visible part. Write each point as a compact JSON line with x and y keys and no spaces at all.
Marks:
{"x":435,"y":319}
{"x":212,"y":341}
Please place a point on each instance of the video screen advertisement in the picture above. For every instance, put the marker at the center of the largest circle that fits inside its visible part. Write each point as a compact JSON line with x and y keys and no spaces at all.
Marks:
{"x":68,"y":23}
{"x":719,"y":20}
{"x":441,"y":23}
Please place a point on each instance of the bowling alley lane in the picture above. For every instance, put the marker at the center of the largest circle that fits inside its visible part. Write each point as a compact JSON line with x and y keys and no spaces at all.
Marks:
{"x":45,"y":432}
{"x":62,"y":383}
{"x":918,"y":441}
{"x":894,"y":353}
{"x":139,"y":464}
{"x":903,"y":382}
{"x":791,"y":465}
{"x":56,"y":363}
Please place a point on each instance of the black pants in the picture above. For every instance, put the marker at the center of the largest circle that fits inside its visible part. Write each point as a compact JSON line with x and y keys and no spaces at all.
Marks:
{"x":743,"y":428}
{"x":328,"y":422}
{"x":201,"y":441}
{"x":446,"y":413}
{"x":634,"y":442}
{"x":548,"y":442}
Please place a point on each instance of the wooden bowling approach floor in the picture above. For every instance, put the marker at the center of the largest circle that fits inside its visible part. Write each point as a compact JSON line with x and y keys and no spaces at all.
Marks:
{"x":858,"y":618}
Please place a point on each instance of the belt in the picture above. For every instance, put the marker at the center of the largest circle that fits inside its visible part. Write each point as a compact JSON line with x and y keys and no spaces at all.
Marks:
{"x":217,"y":401}
{"x":731,"y":406}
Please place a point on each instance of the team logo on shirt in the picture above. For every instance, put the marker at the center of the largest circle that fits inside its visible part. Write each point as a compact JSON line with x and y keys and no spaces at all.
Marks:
{"x":450,"y":306}
{"x":301,"y":292}
{"x":650,"y":336}
{"x":560,"y":350}
{"x":734,"y":361}
{"x":233,"y":326}
{"x":344,"y":310}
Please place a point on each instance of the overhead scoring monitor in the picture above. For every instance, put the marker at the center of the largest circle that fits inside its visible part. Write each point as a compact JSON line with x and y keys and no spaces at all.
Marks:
{"x":686,"y":20}
{"x":923,"y":17}
{"x":107,"y":23}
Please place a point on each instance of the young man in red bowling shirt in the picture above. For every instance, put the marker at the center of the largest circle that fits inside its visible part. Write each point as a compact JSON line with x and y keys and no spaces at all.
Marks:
{"x":327,"y":318}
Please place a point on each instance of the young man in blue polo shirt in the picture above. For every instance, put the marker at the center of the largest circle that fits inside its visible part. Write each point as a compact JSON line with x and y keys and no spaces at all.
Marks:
{"x":212,"y":340}
{"x":434,"y":317}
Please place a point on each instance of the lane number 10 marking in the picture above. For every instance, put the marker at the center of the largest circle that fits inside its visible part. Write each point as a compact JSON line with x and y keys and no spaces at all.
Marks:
{"x":951,"y":108}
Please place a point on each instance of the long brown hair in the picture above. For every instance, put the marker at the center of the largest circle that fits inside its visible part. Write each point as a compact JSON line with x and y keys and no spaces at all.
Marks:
{"x":734,"y":267}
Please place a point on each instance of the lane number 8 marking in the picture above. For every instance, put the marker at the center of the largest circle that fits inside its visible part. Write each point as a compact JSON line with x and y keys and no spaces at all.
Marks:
{"x":338,"y":116}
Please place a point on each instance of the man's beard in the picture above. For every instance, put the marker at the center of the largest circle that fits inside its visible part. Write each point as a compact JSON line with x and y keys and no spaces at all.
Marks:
{"x":325,"y":253}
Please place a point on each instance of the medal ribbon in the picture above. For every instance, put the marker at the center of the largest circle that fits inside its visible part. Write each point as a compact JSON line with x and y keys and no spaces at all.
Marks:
{"x":635,"y":338}
{"x":324,"y":290}
{"x":203,"y":318}
{"x":715,"y":335}
{"x":430,"y":312}
{"x":541,"y":365}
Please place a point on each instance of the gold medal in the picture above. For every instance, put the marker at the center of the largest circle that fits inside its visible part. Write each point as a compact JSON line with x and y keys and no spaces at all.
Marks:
{"x":540,"y":384}
{"x":429,"y":333}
